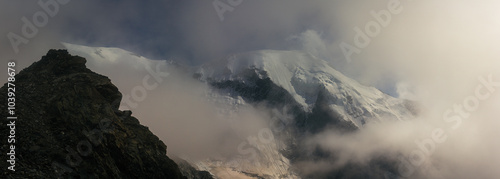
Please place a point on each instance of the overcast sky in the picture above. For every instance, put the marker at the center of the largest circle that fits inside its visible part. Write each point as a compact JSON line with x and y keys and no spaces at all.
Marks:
{"x":194,"y":32}
{"x":415,"y":34}
{"x":164,"y":28}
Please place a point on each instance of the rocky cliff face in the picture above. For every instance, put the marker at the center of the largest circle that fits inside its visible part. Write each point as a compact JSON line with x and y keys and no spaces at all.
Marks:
{"x":68,"y":125}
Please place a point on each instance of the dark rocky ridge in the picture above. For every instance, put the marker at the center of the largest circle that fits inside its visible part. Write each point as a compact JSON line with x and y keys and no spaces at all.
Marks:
{"x":69,"y":125}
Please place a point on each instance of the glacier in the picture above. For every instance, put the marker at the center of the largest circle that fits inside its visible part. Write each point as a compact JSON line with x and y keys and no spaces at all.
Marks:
{"x":304,"y":76}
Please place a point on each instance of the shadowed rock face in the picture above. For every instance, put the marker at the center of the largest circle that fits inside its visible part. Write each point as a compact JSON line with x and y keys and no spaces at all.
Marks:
{"x":69,"y":125}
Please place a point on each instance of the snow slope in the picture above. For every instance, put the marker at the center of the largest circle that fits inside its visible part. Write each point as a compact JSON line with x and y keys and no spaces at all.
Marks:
{"x":105,"y":56}
{"x":303,"y":75}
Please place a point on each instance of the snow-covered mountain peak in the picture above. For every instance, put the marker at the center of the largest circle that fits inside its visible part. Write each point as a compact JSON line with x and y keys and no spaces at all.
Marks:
{"x":304,"y":77}
{"x":108,"y":55}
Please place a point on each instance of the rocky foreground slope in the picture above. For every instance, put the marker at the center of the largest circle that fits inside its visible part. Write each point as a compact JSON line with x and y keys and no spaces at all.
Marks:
{"x":68,"y":125}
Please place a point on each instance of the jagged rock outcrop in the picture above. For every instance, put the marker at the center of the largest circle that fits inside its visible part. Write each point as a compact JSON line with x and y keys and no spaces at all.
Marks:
{"x":69,"y":125}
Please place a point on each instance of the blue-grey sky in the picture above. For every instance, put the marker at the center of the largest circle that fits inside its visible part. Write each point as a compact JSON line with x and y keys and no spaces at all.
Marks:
{"x":160,"y":29}
{"x":192,"y":31}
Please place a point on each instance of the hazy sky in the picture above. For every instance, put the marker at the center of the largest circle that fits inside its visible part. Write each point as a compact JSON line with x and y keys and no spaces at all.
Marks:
{"x":194,"y":32}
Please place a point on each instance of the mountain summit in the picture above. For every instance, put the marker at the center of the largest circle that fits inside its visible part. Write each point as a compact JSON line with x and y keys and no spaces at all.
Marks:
{"x":311,"y":82}
{"x":69,"y":125}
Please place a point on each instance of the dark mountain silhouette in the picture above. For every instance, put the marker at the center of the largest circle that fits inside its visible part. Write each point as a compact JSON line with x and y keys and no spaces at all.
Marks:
{"x":69,"y":126}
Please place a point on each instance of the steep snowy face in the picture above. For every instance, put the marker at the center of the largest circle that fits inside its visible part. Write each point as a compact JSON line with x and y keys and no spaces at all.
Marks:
{"x":305,"y":77}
